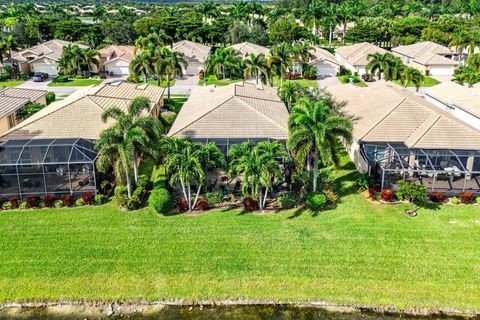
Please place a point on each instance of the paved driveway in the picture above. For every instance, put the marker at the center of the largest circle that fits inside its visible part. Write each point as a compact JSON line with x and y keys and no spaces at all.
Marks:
{"x":59,"y":91}
{"x":184,"y":85}
{"x":328,"y":82}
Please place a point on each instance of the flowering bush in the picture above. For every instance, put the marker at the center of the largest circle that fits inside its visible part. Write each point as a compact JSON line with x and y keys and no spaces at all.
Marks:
{"x":387,"y":195}
{"x":68,"y":200}
{"x":437,"y":196}
{"x":87,"y":197}
{"x":13,"y":201}
{"x":466,"y":197}
{"x":202,"y":203}
{"x":32,"y":201}
{"x":49,"y":200}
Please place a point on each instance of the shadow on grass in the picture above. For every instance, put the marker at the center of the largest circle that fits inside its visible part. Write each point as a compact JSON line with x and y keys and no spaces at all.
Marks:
{"x":297,"y":213}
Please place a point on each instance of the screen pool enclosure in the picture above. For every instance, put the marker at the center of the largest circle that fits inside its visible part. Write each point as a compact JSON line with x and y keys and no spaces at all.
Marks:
{"x":47,"y":166}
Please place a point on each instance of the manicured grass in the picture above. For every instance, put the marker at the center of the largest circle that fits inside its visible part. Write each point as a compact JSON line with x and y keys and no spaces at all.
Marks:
{"x":175,"y":104}
{"x":429,"y":82}
{"x":76,"y":83}
{"x":302,"y":82}
{"x":164,"y":83}
{"x":212,"y":79}
{"x":357,"y":253}
{"x":355,"y":80}
{"x":11,"y":83}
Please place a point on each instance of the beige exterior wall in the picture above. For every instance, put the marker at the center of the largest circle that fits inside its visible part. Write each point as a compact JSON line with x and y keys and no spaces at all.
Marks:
{"x":5,"y":123}
{"x":423,"y":69}
{"x":356,"y":157}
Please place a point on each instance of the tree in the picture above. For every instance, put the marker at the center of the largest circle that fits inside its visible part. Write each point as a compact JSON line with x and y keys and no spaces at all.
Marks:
{"x":10,"y":44}
{"x":346,"y":14}
{"x":331,"y":19}
{"x":70,"y":60}
{"x":28,"y":110}
{"x":99,"y":13}
{"x":254,"y":65}
{"x":288,"y":92}
{"x":412,"y":75}
{"x":313,"y":14}
{"x":223,"y":59}
{"x":175,"y":64}
{"x":90,"y":57}
{"x":141,"y":64}
{"x":132,"y":135}
{"x":281,"y":56}
{"x":314,"y":130}
{"x":386,"y":63}
{"x":287,"y":30}
{"x":301,"y":52}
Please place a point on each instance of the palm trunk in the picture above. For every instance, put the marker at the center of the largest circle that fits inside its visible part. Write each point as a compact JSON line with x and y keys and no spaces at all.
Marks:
{"x":344,"y":31}
{"x":265,"y":197}
{"x":168,"y":87}
{"x":196,"y":196}
{"x":184,"y":190}
{"x":315,"y":172}
{"x":129,"y":185}
{"x":135,"y":168}
{"x":257,"y":77}
{"x":144,"y":77}
{"x":330,"y":35}
{"x":308,"y":161}
{"x":260,"y":204}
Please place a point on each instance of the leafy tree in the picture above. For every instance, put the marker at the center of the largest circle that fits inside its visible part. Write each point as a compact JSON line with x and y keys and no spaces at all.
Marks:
{"x":386,"y":63}
{"x":223,"y":59}
{"x":281,"y":56}
{"x":254,"y":65}
{"x":287,"y":30}
{"x":288,"y":92}
{"x":412,"y":75}
{"x":28,"y":110}
{"x":141,"y":64}
{"x":99,"y":13}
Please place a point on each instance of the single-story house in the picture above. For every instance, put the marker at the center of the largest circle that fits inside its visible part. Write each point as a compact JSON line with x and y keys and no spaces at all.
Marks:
{"x":232,"y":114}
{"x":43,"y":57}
{"x":325,"y":62}
{"x":12,"y":100}
{"x":52,"y":152}
{"x":245,"y":48}
{"x":460,"y":101}
{"x":428,"y":57}
{"x":355,"y":57}
{"x":195,"y":53}
{"x":398,"y":135}
{"x":115,"y":60}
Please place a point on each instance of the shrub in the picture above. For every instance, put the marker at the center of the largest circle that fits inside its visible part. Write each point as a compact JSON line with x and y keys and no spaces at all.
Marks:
{"x":250,"y":204}
{"x":363,"y":181}
{"x":144,"y":182}
{"x":344,"y":71}
{"x":68,"y":200}
{"x":160,"y":200}
{"x":454,"y":200}
{"x":135,"y":202}
{"x":13,"y":202}
{"x":7,"y":205}
{"x":87,"y":197}
{"x":79,"y":202}
{"x":412,"y":191}
{"x":60,"y":79}
{"x":33,"y":201}
{"x":202,"y":203}
{"x":23,"y":76}
{"x":288,"y":201}
{"x":477,"y":199}
{"x":58,"y":203}
{"x":99,"y":199}
{"x":372,"y":192}
{"x":49,"y":200}
{"x":437,"y":196}
{"x":387,"y":195}
{"x":121,"y":195}
{"x":50,"y":97}
{"x":316,"y":201}
{"x":214,"y":198}
{"x":466,"y":197}
{"x":23,"y":205}
{"x":332,"y":196}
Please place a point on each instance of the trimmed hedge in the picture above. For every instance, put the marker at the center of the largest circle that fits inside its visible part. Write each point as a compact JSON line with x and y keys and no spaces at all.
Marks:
{"x":316,"y":201}
{"x":160,"y":200}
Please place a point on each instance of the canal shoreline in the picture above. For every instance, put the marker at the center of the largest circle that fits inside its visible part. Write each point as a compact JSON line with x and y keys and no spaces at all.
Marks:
{"x":122,"y":309}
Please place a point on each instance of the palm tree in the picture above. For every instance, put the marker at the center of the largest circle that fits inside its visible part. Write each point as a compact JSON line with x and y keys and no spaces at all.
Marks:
{"x":313,"y":15}
{"x":174,"y":65}
{"x":386,"y":63}
{"x":314,"y":131}
{"x":71,"y":59}
{"x":287,"y":92}
{"x":282,"y":57}
{"x":208,"y":9}
{"x":301,"y":52}
{"x":99,"y":13}
{"x":141,"y":64}
{"x":254,"y":65}
{"x":222,"y":59}
{"x":347,"y":14}
{"x":90,"y":57}
{"x":130,"y":136}
{"x":412,"y":75}
{"x":331,"y":19}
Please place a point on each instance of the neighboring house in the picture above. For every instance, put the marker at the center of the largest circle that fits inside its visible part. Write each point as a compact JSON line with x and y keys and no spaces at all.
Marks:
{"x":460,"y":101}
{"x":398,"y":135}
{"x":12,"y":100}
{"x":232,"y":114}
{"x":42,"y":57}
{"x":52,"y":152}
{"x":195,"y":53}
{"x":115,"y":60}
{"x":355,"y":57}
{"x":428,"y":57}
{"x":245,"y":48}
{"x":324,"y":61}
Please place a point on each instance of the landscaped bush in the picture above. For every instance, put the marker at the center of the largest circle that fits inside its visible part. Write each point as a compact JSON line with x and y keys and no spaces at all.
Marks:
{"x":144,"y":182}
{"x":387,"y":195}
{"x":250,"y":204}
{"x":58,"y":203}
{"x":121,"y":195}
{"x":332,"y":196}
{"x":50,"y":97}
{"x":316,"y":201}
{"x":13,"y":202}
{"x":23,"y":205}
{"x":87,"y":197}
{"x":79,"y":202}
{"x":363,"y":181}
{"x":454,"y":200}
{"x":33,"y":201}
{"x":344,"y":79}
{"x":202,"y":203}
{"x":214,"y":198}
{"x":412,"y":192}
{"x":437,"y":197}
{"x":309,"y":72}
{"x":288,"y":201}
{"x":49,"y":201}
{"x":99,"y":199}
{"x":477,"y":200}
{"x":7,"y":205}
{"x":344,"y":71}
{"x":23,"y":76}
{"x":60,"y":79}
{"x":160,"y":200}
{"x":466,"y":197}
{"x":68,"y":200}
{"x":182,"y":204}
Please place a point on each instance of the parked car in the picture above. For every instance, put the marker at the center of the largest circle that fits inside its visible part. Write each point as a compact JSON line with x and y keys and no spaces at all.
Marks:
{"x":367,"y":78}
{"x":39,"y":76}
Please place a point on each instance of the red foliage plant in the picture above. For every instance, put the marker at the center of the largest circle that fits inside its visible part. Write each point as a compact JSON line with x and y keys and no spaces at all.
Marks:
{"x":182,"y":204}
{"x":250,"y":204}
{"x":437,"y":196}
{"x":68,"y":200}
{"x":33,"y":201}
{"x":202,"y":204}
{"x":466,"y":197}
{"x":87,"y":197}
{"x":14,"y":202}
{"x":387,"y":195}
{"x":49,"y":200}
{"x":372,"y":192}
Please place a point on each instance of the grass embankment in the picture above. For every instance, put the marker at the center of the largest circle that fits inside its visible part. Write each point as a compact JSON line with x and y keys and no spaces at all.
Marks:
{"x":428,"y":82}
{"x":10,"y":83}
{"x":76,"y":83}
{"x":358,"y":253}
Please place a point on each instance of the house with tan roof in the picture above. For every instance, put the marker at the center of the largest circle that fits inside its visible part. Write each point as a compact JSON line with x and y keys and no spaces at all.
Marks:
{"x":428,"y":57}
{"x":195,"y":53}
{"x":245,"y":48}
{"x":355,"y":57}
{"x":43,"y":57}
{"x":115,"y":59}
{"x":232,"y":114}
{"x":398,"y":135}
{"x":325,"y":62}
{"x":460,"y":101}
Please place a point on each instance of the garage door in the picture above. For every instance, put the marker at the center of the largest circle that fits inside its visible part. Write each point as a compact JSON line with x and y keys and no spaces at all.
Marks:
{"x":51,"y":69}
{"x":326,"y":70}
{"x":441,"y":71}
{"x":118,"y":71}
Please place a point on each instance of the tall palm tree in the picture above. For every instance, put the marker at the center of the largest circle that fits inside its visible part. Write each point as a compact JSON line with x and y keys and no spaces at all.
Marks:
{"x":281,"y":56}
{"x":141,"y":64}
{"x":254,"y":65}
{"x":386,"y":63}
{"x":70,"y":60}
{"x":331,"y":19}
{"x":301,"y":52}
{"x":312,"y":16}
{"x":9,"y":44}
{"x":130,"y":136}
{"x":175,"y":64}
{"x":90,"y":57}
{"x":346,"y":14}
{"x":222,"y":59}
{"x":287,"y":92}
{"x":314,"y":131}
{"x":412,"y":75}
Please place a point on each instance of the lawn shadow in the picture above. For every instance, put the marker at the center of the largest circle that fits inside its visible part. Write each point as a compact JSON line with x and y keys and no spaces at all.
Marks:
{"x":296,"y":213}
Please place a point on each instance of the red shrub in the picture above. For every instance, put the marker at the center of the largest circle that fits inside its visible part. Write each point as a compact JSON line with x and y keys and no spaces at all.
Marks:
{"x":372,"y":192}
{"x":202,"y":204}
{"x":14,"y":202}
{"x":437,"y":196}
{"x":250,"y":204}
{"x":387,"y":195}
{"x":87,"y":197}
{"x":49,"y":200}
{"x":466,"y":197}
{"x":33,"y":201}
{"x":68,"y":200}
{"x":183,"y":204}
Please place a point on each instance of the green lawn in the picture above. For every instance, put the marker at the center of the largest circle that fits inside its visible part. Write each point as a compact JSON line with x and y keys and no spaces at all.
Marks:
{"x":164,"y":83}
{"x":357,"y":253}
{"x":429,"y":82}
{"x":11,"y":83}
{"x":76,"y":83}
{"x":303,"y":82}
{"x":212,"y":79}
